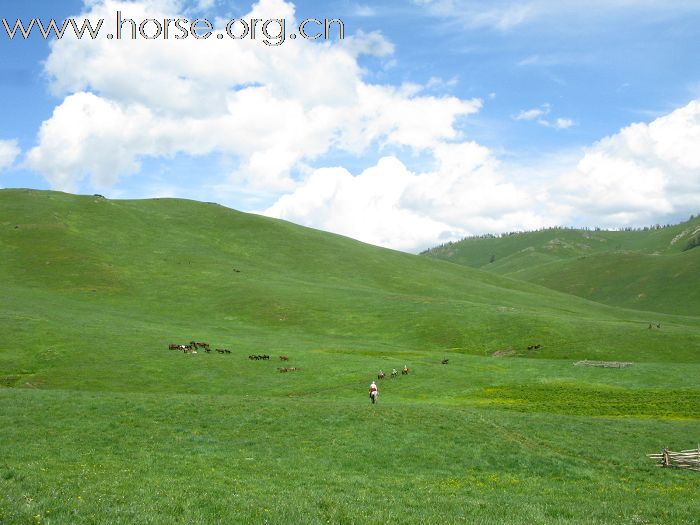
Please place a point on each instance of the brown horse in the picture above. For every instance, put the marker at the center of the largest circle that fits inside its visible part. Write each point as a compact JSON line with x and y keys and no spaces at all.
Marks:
{"x":404,"y":371}
{"x":381,"y":375}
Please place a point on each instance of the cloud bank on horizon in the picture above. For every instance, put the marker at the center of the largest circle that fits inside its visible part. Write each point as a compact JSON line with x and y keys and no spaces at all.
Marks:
{"x":322,"y":135}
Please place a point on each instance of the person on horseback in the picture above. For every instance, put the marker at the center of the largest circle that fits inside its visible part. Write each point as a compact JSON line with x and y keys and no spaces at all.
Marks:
{"x":373,"y":392}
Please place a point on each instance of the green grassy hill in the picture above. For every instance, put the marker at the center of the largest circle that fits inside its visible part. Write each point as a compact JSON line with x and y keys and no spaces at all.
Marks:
{"x":101,"y":423}
{"x":644,"y":269}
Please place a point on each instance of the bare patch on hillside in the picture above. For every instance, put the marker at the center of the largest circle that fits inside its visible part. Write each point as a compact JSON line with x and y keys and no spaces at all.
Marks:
{"x":505,"y":352}
{"x":684,"y":233}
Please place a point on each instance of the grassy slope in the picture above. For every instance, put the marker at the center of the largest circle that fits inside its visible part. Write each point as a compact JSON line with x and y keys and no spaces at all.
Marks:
{"x":94,"y":290}
{"x":646,"y":270}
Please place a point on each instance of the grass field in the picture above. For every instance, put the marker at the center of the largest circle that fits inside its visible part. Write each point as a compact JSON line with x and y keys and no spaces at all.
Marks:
{"x":101,"y":423}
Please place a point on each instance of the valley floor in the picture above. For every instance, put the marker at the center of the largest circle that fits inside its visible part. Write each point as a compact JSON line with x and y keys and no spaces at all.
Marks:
{"x":463,"y":443}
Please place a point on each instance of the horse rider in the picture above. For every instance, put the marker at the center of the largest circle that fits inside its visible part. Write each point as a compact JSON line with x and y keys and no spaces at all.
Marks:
{"x":373,"y":392}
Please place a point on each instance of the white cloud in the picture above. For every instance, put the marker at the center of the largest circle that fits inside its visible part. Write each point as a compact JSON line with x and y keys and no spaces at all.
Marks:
{"x":9,"y":151}
{"x":371,"y":44}
{"x":635,"y":177}
{"x":366,"y":207}
{"x":563,"y":123}
{"x":534,"y":113}
{"x":538,"y":114}
{"x":272,"y":107}
{"x":644,"y":172}
{"x":439,"y":84}
{"x":389,"y":205}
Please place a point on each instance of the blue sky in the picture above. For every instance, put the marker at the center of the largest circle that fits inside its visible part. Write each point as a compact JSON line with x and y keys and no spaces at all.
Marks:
{"x":443,"y":118}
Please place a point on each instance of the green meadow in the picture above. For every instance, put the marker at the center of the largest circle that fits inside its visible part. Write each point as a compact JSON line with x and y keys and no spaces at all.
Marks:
{"x":100,"y":423}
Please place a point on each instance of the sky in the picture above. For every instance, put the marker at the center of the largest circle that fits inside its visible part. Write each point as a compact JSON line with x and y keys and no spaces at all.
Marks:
{"x":431,"y":120}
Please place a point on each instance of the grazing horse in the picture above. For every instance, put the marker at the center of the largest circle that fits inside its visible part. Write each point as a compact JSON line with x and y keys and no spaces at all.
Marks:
{"x":404,"y":371}
{"x":173,"y":346}
{"x":284,"y":358}
{"x":445,"y":361}
{"x":201,"y":345}
{"x":380,"y":375}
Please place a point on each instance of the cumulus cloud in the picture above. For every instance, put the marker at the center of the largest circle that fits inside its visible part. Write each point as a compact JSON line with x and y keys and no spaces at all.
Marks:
{"x":389,"y":205}
{"x":9,"y":151}
{"x":271,"y":107}
{"x":644,"y":172}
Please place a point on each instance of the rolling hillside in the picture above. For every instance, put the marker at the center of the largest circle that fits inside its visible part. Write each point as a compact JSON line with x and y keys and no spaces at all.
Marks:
{"x":101,"y":423}
{"x":115,"y":274}
{"x":649,"y":270}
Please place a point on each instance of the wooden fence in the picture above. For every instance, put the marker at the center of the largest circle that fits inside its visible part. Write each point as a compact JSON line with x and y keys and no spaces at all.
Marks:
{"x":689,"y":459}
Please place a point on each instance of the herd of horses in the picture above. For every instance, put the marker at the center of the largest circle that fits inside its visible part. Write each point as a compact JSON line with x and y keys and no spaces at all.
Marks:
{"x":193,"y":346}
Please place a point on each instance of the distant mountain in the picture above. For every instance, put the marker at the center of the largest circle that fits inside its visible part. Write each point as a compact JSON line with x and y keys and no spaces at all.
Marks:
{"x":653,"y":269}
